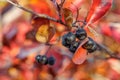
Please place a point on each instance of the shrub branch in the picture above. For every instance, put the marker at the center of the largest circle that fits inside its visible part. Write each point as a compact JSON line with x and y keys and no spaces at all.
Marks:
{"x":101,"y":47}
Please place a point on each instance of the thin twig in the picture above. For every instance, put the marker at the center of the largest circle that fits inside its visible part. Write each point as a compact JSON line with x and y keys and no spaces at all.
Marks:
{"x":77,"y":15}
{"x":76,"y":20}
{"x":36,"y":14}
{"x":60,"y":9}
{"x":50,"y":46}
{"x":62,"y":3}
{"x":108,"y":51}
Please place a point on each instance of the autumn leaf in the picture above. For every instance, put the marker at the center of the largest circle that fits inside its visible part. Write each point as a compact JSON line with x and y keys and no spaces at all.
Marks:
{"x":72,"y":3}
{"x":44,"y":33}
{"x":52,"y":32}
{"x":38,"y":21}
{"x":80,"y":54}
{"x":42,"y":29}
{"x":68,"y":16}
{"x":43,"y":7}
{"x":98,"y":10}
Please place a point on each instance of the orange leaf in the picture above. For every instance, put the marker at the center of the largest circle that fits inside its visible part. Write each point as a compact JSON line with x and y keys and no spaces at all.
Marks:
{"x":42,"y":34}
{"x":98,"y":10}
{"x":79,"y":56}
{"x":43,"y":7}
{"x":72,"y":3}
{"x":68,"y":16}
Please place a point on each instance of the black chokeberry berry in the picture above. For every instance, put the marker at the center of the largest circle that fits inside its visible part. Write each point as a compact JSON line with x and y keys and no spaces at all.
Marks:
{"x":38,"y":58}
{"x":51,"y":60}
{"x":81,"y":34}
{"x":68,"y":38}
{"x":90,"y":45}
{"x":74,"y":46}
{"x":42,"y":59}
{"x":94,"y":48}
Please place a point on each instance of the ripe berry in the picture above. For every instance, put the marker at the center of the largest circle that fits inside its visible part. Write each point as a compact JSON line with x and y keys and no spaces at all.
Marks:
{"x":81,"y":34}
{"x":68,"y":38}
{"x":51,"y":60}
{"x":38,"y":58}
{"x":42,"y":59}
{"x":90,"y":45}
{"x":94,"y":48}
{"x":74,"y":46}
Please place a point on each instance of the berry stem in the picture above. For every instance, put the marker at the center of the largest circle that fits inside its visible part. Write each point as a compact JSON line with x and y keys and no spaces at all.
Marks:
{"x":36,"y":14}
{"x":108,"y":51}
{"x":50,"y":46}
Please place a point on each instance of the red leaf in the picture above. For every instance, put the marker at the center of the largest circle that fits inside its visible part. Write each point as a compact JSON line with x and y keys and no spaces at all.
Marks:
{"x":72,"y":4}
{"x":43,"y":7}
{"x":98,"y":9}
{"x":81,"y":54}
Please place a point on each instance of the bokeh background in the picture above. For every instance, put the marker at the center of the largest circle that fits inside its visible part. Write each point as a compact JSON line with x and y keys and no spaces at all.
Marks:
{"x":18,"y":47}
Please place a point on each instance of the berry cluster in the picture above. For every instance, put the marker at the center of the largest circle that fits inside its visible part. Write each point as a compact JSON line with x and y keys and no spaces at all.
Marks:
{"x":72,"y":41}
{"x":45,"y":60}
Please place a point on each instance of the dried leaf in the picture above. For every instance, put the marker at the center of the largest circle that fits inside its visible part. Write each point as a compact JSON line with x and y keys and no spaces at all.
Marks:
{"x":42,"y":29}
{"x":37,"y":22}
{"x":44,"y":33}
{"x":51,"y":31}
{"x":68,"y":16}
{"x":98,"y":10}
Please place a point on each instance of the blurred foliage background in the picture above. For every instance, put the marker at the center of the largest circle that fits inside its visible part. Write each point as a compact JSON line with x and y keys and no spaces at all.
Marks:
{"x":18,"y":48}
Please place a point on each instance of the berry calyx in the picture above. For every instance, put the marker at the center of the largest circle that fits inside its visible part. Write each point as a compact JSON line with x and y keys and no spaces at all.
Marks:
{"x":68,"y":38}
{"x":81,"y":34}
{"x":74,"y":46}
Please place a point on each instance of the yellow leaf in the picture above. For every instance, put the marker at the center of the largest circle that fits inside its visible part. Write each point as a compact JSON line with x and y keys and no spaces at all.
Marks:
{"x":38,"y":21}
{"x":42,"y":34}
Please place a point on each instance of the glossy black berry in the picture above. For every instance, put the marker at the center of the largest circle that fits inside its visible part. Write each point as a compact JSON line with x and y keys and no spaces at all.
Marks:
{"x":38,"y":58}
{"x":68,"y":38}
{"x":92,"y":50}
{"x":81,"y":34}
{"x":74,"y":46}
{"x":90,"y":45}
{"x":51,"y":60}
{"x":42,"y":59}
